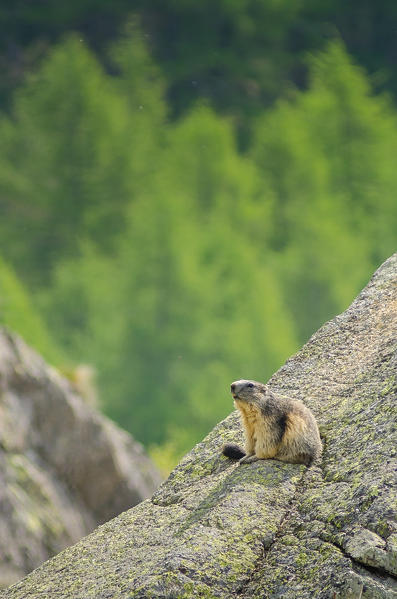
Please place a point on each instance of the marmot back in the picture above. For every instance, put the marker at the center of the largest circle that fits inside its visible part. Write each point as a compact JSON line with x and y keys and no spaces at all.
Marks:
{"x":274,"y":427}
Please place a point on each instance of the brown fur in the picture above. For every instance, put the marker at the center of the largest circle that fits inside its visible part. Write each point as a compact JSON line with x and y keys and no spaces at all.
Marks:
{"x":274,"y":427}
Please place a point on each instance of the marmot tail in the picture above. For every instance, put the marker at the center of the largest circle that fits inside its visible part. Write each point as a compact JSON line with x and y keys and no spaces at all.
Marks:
{"x":230,"y":450}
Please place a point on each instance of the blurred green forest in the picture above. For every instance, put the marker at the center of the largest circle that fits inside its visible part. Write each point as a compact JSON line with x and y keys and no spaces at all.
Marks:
{"x":186,"y":198}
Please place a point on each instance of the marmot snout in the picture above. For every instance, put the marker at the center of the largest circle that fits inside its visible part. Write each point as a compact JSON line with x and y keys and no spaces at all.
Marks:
{"x":274,"y":426}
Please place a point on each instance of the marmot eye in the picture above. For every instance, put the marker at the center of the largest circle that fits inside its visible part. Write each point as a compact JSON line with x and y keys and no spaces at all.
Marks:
{"x":250,"y":385}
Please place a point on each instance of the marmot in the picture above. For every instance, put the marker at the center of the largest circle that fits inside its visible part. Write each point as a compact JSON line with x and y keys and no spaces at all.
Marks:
{"x":274,"y":427}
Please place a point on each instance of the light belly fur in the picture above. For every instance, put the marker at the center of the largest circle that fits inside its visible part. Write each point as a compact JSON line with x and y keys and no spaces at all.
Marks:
{"x":258,"y":431}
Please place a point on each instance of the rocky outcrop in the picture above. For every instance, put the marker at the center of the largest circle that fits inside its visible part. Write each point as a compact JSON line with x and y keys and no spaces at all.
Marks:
{"x":64,"y":468}
{"x":269,"y":529}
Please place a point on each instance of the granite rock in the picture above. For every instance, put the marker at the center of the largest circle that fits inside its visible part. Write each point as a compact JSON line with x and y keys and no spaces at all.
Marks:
{"x":64,"y":468}
{"x":269,"y":529}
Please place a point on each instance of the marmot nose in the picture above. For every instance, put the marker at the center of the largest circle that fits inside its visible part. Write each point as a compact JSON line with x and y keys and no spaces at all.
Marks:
{"x":232,"y":387}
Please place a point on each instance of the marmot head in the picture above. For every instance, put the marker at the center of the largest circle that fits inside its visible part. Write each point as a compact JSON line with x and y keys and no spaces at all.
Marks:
{"x":248,"y":391}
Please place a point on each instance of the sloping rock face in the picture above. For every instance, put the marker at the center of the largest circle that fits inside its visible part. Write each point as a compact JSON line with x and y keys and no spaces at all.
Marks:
{"x":269,"y":529}
{"x":64,"y":468}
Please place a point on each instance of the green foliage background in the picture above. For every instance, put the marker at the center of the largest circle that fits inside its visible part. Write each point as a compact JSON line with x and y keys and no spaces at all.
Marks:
{"x":179,"y":242}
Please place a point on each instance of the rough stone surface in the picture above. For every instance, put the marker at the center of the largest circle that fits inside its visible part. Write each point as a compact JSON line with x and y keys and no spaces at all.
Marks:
{"x":269,"y":529}
{"x":64,"y":468}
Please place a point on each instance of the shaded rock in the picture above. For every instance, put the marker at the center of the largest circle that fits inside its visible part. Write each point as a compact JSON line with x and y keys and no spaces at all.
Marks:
{"x":269,"y":529}
{"x":64,"y":468}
